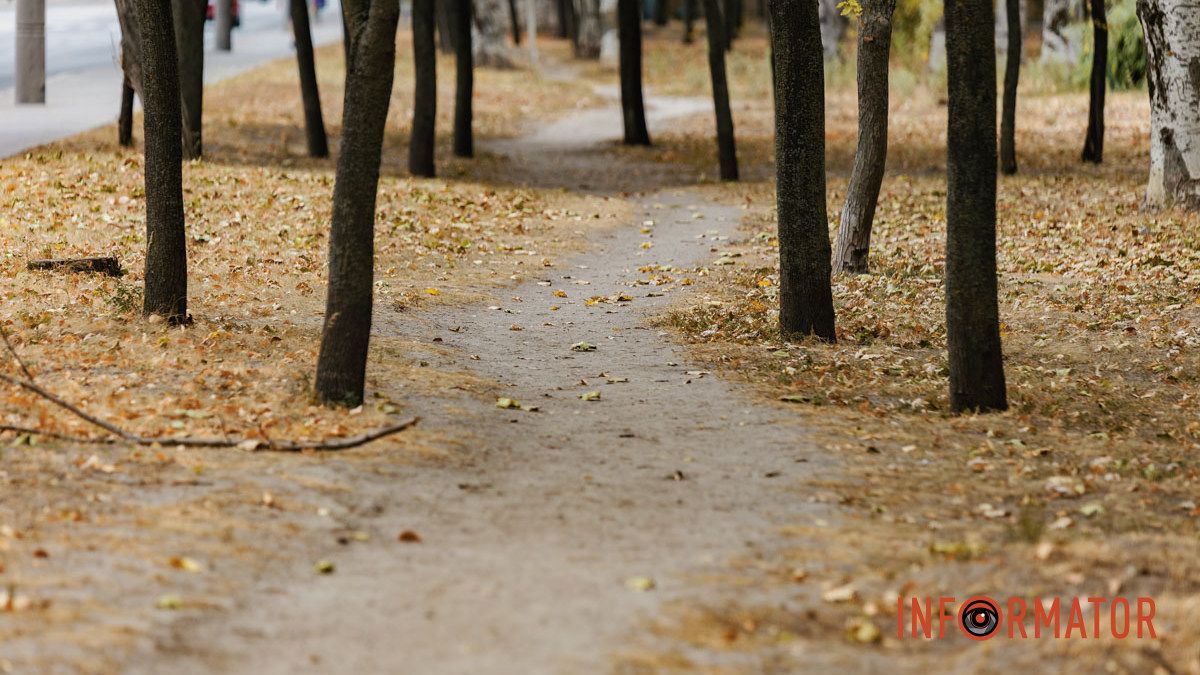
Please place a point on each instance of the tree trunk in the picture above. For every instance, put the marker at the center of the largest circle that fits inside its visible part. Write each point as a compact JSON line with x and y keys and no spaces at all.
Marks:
{"x":729,"y":14}
{"x":445,"y":28}
{"x":972,"y":312}
{"x":661,"y":12}
{"x":492,"y":22}
{"x":566,"y":19}
{"x":223,"y":15}
{"x":1172,"y":34}
{"x":590,"y":30}
{"x":1093,"y":143}
{"x":166,"y":244}
{"x":189,"y":37}
{"x":125,"y":120}
{"x":514,"y":19}
{"x":346,"y":334}
{"x":870,"y":157}
{"x":421,"y":144}
{"x":805,"y":293}
{"x":633,"y":107}
{"x":1056,"y":45}
{"x":691,"y":9}
{"x":726,"y":143}
{"x":833,"y":28}
{"x":464,"y":69}
{"x":314,"y":121}
{"x":1012,"y":72}
{"x":131,"y":51}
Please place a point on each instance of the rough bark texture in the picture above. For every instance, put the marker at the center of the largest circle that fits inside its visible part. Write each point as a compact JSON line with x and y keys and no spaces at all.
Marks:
{"x":972,"y":314}
{"x":125,"y":119}
{"x":166,"y":245}
{"x":589,"y":30}
{"x":464,"y":68}
{"x":189,"y":40}
{"x":491,"y":38}
{"x":1012,"y":72}
{"x":726,"y":143}
{"x":1093,"y":142}
{"x":131,"y":50}
{"x":870,"y":157}
{"x":314,"y":121}
{"x":421,"y":143}
{"x":1172,"y":34}
{"x":805,"y":293}
{"x":345,"y":338}
{"x":633,"y":106}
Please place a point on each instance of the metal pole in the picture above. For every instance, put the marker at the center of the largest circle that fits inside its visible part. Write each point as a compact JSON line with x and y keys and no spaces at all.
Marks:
{"x":31,"y":51}
{"x":224,"y":21}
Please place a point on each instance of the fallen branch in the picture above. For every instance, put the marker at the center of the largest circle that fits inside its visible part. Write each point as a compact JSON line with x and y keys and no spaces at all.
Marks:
{"x":107,"y":266}
{"x":15,"y":355}
{"x":191,"y":441}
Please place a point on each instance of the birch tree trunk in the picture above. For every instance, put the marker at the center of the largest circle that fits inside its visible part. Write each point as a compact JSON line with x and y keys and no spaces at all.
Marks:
{"x":1172,"y":34}
{"x":491,"y":34}
{"x":589,"y":30}
{"x":1056,"y":45}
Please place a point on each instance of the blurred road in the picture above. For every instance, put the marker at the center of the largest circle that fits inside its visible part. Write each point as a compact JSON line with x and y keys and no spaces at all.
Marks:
{"x":83,"y":79}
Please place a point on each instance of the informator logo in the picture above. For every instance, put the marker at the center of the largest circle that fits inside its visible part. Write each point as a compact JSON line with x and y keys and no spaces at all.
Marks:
{"x":982,"y":618}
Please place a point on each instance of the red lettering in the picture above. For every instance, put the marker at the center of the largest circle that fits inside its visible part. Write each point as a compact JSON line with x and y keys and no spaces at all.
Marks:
{"x":1016,"y":617}
{"x":1075,"y":620}
{"x":924,"y":618}
{"x":1044,"y":617}
{"x":1095,"y":603}
{"x":945,"y":615}
{"x":1124,"y":620}
{"x":1146,"y":617}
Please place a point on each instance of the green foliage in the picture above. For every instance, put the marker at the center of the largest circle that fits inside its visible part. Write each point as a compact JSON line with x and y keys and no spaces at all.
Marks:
{"x":1126,"y":50}
{"x":850,"y":8}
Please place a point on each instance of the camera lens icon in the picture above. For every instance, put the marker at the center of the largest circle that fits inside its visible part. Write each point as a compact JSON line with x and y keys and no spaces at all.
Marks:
{"x":979,"y":617}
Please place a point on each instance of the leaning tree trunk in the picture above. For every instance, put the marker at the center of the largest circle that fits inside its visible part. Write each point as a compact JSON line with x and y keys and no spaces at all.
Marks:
{"x":870,"y":157}
{"x":346,"y":334}
{"x":1012,"y":72}
{"x":491,"y":45}
{"x":125,"y":120}
{"x":189,"y":37}
{"x":972,"y":312}
{"x":165,"y":281}
{"x":1093,"y":142}
{"x":420,"y":147}
{"x":314,"y":121}
{"x":1172,"y":34}
{"x":726,"y":144}
{"x":589,"y":29}
{"x":633,"y":107}
{"x":805,"y":293}
{"x":464,"y":70}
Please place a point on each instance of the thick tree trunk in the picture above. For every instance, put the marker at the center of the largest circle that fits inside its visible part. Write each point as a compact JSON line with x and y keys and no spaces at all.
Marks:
{"x":870,"y":157}
{"x":589,"y":29}
{"x":345,"y":338}
{"x":166,"y":244}
{"x":805,"y":293}
{"x":421,"y":143}
{"x":1012,"y":72}
{"x":726,"y":143}
{"x":491,"y":43}
{"x":314,"y":121}
{"x":972,"y":312}
{"x":464,"y":70}
{"x":1172,"y":34}
{"x":125,"y":120}
{"x":633,"y":107}
{"x":729,"y":13}
{"x":189,"y":38}
{"x":1093,"y":143}
{"x":131,"y":51}
{"x":691,"y":9}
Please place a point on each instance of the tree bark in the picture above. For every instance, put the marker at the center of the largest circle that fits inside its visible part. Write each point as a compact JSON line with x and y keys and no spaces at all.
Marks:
{"x":870,"y":157}
{"x":661,"y":12}
{"x":346,"y":334}
{"x":314,"y":120}
{"x":1012,"y":72}
{"x":223,"y":18}
{"x":189,"y":18}
{"x":729,"y":14}
{"x":833,"y":28}
{"x":566,"y":19}
{"x":464,"y":69}
{"x":125,"y":120}
{"x":1056,"y":45}
{"x":166,"y":245}
{"x":726,"y":143}
{"x":1093,"y":142}
{"x":691,"y":9}
{"x":1171,"y":32}
{"x":633,"y":107}
{"x":421,"y":143}
{"x":590,"y":30}
{"x":514,"y":19}
{"x":131,"y":51}
{"x":805,"y":293}
{"x":972,"y":312}
{"x":445,"y":39}
{"x":492,"y":21}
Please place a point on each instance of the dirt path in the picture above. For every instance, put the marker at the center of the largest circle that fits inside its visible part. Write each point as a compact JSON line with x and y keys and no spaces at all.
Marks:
{"x":530,"y":549}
